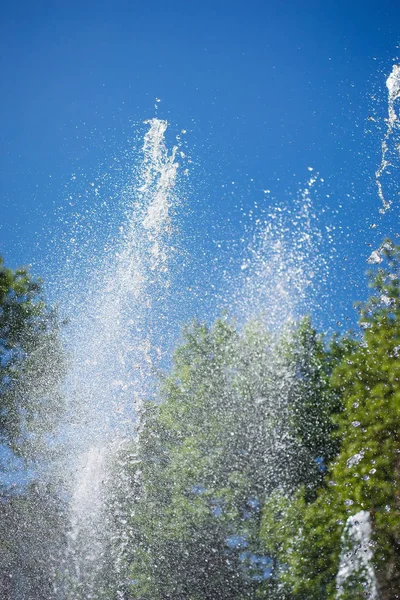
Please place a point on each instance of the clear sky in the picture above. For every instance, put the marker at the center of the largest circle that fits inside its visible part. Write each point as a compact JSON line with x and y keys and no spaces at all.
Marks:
{"x":264,"y":90}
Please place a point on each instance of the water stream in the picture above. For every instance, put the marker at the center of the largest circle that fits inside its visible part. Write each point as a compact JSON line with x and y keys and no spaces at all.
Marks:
{"x":113,"y":353}
{"x":115,"y":346}
{"x":390,"y":142}
{"x":356,"y":569}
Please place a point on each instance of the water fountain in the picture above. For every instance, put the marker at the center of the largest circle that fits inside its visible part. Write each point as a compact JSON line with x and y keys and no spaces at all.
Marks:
{"x":114,"y":349}
{"x":389,"y":144}
{"x":112,"y":358}
{"x":356,"y":569}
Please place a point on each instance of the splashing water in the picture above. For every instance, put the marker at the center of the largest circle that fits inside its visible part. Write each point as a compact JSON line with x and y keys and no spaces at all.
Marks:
{"x":115,"y":347}
{"x":356,"y":568}
{"x":393,"y":86}
{"x":159,"y":174}
{"x":113,"y":356}
{"x":282,"y":264}
{"x":88,"y":519}
{"x":113,"y":352}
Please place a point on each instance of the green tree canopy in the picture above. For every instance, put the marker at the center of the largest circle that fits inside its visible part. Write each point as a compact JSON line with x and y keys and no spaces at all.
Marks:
{"x":31,"y":368}
{"x":31,"y":362}
{"x":364,"y":477}
{"x":230,"y":430}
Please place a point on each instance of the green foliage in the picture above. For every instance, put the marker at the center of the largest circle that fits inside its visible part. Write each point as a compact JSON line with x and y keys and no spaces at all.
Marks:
{"x":365,"y":473}
{"x":231,"y":430}
{"x":180,"y":548}
{"x":32,"y":543}
{"x":31,"y":366}
{"x":262,"y":447}
{"x":31,"y":363}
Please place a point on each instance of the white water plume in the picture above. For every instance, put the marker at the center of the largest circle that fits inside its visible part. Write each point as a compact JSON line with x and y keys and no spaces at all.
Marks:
{"x":111,"y":349}
{"x":282,"y":264}
{"x":115,"y":347}
{"x":388,"y":145}
{"x":113,"y":355}
{"x":356,"y":568}
{"x":88,"y":522}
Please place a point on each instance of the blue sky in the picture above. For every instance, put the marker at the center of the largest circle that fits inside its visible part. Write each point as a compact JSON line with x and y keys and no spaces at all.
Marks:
{"x":263,"y":89}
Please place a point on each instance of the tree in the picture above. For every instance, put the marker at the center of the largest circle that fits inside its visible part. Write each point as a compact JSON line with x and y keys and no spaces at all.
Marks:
{"x":31,"y":367}
{"x":180,"y":546}
{"x":363,"y":480}
{"x":31,"y":363}
{"x":230,"y":430}
{"x":367,"y":471}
